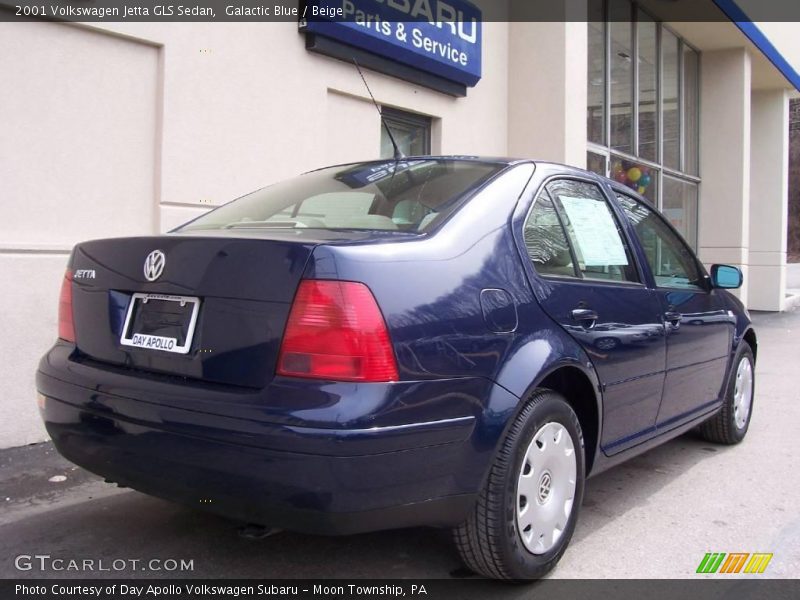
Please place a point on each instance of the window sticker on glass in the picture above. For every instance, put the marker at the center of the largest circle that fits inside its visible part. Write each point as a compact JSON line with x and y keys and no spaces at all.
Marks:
{"x":595,"y":230}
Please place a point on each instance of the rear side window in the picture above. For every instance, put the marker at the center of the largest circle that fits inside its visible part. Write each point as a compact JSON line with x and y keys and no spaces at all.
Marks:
{"x":670,"y":259}
{"x":407,"y":196}
{"x":546,"y":241}
{"x":598,"y":245}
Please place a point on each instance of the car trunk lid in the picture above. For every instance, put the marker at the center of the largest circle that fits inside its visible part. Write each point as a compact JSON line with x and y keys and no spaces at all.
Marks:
{"x":243,"y":289}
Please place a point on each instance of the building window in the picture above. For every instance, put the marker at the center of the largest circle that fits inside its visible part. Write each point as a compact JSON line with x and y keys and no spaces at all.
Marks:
{"x":596,"y":162}
{"x":638,"y":176}
{"x":595,"y":114}
{"x":691,"y":111}
{"x":411,"y":132}
{"x":643,"y":110}
{"x":647,"y":36}
{"x":621,"y":75}
{"x":680,"y":206}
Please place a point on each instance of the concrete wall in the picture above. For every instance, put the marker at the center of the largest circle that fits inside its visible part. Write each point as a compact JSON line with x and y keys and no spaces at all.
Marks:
{"x":78,"y":159}
{"x":769,"y":186}
{"x":547,"y":99}
{"x":724,"y":205}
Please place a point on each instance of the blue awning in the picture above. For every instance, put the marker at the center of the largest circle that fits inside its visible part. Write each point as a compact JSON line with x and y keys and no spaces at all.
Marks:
{"x":735,"y":13}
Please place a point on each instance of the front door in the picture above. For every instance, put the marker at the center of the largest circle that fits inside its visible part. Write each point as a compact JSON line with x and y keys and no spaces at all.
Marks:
{"x":590,"y":285}
{"x":698,"y":325}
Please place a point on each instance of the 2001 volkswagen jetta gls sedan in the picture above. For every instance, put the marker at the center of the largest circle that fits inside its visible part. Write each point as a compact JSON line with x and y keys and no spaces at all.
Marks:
{"x":453,"y":342}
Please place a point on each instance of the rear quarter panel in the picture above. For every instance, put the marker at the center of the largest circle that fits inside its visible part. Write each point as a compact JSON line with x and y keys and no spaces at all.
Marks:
{"x":429,"y":291}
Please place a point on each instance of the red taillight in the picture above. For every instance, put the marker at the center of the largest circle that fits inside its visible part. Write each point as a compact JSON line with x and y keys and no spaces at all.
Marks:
{"x":66,"y":327}
{"x":336,"y":331}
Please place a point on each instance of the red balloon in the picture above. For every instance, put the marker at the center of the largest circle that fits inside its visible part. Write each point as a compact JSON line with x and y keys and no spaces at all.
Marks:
{"x":622,"y":177}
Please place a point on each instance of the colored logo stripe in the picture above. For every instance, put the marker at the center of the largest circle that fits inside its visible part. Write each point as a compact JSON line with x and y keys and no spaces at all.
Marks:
{"x":711,"y":562}
{"x":735,"y":561}
{"x":758,"y":563}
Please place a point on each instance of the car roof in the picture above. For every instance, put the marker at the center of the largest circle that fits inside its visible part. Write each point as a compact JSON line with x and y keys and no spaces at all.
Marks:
{"x":499,"y":160}
{"x":508,"y":161}
{"x":453,"y":158}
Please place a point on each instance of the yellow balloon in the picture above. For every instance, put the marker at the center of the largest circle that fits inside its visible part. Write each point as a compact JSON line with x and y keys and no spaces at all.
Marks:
{"x":642,"y":189}
{"x":617,"y":168}
{"x":634,"y":174}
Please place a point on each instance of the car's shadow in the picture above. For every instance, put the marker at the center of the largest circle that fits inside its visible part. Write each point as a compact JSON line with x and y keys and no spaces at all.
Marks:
{"x":611,"y":494}
{"x":133,"y":526}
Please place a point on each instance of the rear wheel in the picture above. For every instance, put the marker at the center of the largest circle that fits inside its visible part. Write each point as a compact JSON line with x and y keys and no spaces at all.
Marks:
{"x":526,"y":512}
{"x":730,"y":424}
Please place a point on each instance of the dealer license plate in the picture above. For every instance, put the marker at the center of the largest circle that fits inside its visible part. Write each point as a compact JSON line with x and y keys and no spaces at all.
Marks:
{"x":160,"y":322}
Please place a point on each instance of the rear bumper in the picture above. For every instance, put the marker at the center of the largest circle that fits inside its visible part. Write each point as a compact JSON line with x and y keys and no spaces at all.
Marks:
{"x":333,"y":480}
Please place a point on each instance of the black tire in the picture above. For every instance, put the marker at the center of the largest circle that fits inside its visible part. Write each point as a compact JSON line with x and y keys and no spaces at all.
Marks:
{"x":722,"y":427}
{"x":489,"y":541}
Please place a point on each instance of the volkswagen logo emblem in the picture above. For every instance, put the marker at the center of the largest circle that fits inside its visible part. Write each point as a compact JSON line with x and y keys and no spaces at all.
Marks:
{"x":154,"y":265}
{"x":545,"y":484}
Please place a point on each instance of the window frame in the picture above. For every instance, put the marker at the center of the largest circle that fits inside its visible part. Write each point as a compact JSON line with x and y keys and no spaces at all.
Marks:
{"x":620,"y":219}
{"x":705,"y":287}
{"x":391,"y":116}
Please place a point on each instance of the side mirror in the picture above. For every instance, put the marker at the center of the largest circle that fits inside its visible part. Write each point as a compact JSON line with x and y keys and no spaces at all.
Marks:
{"x":726,"y":277}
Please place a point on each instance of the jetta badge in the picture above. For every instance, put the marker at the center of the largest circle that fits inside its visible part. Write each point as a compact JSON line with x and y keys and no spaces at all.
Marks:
{"x":154,"y":265}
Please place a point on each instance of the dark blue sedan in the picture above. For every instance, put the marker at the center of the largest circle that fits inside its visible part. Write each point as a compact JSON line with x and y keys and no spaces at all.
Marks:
{"x":454,"y":342}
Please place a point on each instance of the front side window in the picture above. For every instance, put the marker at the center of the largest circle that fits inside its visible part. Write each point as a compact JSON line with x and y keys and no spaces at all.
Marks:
{"x":672,"y":263}
{"x":594,"y":234}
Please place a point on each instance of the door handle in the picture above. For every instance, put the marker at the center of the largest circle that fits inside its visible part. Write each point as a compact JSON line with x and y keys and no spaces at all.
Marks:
{"x":673,"y":317}
{"x":585,"y":314}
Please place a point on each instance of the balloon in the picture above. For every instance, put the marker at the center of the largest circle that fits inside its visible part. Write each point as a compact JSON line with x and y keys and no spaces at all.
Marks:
{"x":642,"y":189}
{"x":617,"y":168}
{"x":633,"y":185}
{"x":634,"y":174}
{"x":621,"y":176}
{"x":645,"y":180}
{"x":645,"y":170}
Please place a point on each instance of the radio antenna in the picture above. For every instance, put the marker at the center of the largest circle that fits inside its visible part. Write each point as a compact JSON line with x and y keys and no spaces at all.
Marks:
{"x":398,"y":154}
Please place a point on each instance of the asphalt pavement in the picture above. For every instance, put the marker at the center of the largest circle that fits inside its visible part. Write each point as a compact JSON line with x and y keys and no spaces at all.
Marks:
{"x":653,"y":517}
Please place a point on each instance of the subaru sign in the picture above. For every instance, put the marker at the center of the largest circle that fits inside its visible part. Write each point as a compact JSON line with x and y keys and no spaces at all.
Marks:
{"x":440,"y":37}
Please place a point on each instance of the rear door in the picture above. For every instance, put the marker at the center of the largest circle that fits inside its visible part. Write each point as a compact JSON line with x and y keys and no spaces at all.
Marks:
{"x":698,"y":325}
{"x":590,"y":284}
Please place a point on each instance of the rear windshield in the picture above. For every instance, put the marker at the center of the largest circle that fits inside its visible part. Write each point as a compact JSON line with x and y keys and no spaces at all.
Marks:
{"x":412,"y":196}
